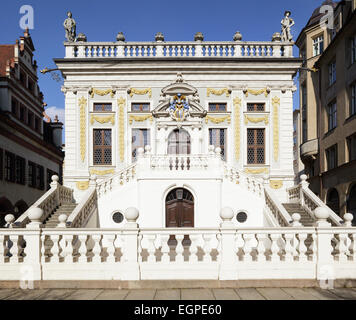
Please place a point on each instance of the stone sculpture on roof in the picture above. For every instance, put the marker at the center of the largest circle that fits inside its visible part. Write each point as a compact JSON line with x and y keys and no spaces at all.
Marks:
{"x":287,"y":24}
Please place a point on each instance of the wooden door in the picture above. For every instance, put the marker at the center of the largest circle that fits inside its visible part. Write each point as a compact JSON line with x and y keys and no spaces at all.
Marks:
{"x":180,"y":209}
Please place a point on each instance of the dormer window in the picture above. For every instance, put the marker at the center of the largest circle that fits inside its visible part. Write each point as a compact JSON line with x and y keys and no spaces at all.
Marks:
{"x":217,"y":107}
{"x":140,"y":107}
{"x":102,"y":107}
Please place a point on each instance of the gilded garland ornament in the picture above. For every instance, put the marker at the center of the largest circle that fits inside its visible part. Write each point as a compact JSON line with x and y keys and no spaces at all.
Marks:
{"x":218,"y":92}
{"x":266,"y":91}
{"x":121,"y":104}
{"x":218,"y":120}
{"x":237,"y":106}
{"x":256,"y":171}
{"x":82,"y":185}
{"x":276,"y":103}
{"x":101,"y":92}
{"x":102,"y":173}
{"x":133,"y":91}
{"x":102,"y":119}
{"x":256,"y":119}
{"x":276,"y":184}
{"x":82,"y":113}
{"x":140,"y":118}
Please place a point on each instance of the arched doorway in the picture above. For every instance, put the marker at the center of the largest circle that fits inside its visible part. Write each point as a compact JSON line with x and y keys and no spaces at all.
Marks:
{"x":332,"y":201}
{"x":5,"y":208}
{"x":351,"y":203}
{"x":179,"y":209}
{"x":179,"y":142}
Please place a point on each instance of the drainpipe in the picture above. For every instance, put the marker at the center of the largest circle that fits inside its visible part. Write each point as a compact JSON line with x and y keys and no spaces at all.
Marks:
{"x":319,"y":134}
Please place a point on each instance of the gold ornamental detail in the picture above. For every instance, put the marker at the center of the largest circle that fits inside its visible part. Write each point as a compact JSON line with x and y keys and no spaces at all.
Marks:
{"x":101,"y":92}
{"x":276,"y":184}
{"x":82,"y":113}
{"x":133,"y":91}
{"x":276,"y":103}
{"x":218,"y":92}
{"x":82,"y":185}
{"x":266,"y":91}
{"x":218,"y":120}
{"x":102,"y":119}
{"x":237,"y":106}
{"x":121,"y":130}
{"x":257,"y":171}
{"x":140,"y":118}
{"x":256,"y":119}
{"x":102,"y":173}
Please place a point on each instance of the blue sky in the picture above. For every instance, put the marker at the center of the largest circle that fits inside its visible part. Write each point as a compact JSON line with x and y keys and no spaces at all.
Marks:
{"x":140,"y":20}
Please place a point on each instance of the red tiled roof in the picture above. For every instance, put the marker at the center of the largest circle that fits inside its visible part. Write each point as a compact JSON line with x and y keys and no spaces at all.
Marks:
{"x":6,"y":53}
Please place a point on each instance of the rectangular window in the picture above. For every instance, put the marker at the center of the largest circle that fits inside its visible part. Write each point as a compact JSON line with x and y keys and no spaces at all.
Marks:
{"x":217,"y":107}
{"x":1,"y":164}
{"x":140,"y":107}
{"x":351,"y":146}
{"x":102,"y":147}
{"x":23,"y":79}
{"x":37,"y":124}
{"x":304,"y":113}
{"x":40,"y":177}
{"x":353,"y":100}
{"x":331,"y":157}
{"x":332,"y":116}
{"x":353,"y":49}
{"x":14,"y":107}
{"x":30,"y":119}
{"x":31,"y":174}
{"x":102,"y":107}
{"x":140,"y":139}
{"x":20,"y":170}
{"x":332,"y":73}
{"x":22,"y":113}
{"x":255,"y":107}
{"x":217,"y":138}
{"x":256,"y":146}
{"x":318,"y":46}
{"x":9,"y":167}
{"x":31,"y":86}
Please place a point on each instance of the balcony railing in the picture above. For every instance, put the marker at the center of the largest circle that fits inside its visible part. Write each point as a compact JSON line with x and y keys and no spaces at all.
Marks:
{"x":178,"y":49}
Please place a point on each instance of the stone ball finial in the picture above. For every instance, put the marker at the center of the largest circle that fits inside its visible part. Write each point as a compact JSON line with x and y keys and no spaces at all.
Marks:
{"x":9,"y":218}
{"x":211,"y":149}
{"x":131,"y":214}
{"x":120,"y":37}
{"x":62,"y":218}
{"x":35,"y":214}
{"x":348,"y":217}
{"x":55,"y":178}
{"x":140,"y":151}
{"x":218,"y":151}
{"x":159,"y":37}
{"x":296,"y":220}
{"x":198,"y":37}
{"x":321,"y":213}
{"x":226,"y":214}
{"x":276,"y":37}
{"x":237,"y":36}
{"x":148,"y":149}
{"x":303,"y":177}
{"x":93,"y":177}
{"x":82,"y":37}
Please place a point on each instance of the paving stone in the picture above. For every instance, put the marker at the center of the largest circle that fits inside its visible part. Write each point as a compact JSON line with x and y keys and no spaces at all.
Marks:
{"x":27,"y":294}
{"x":249,"y":294}
{"x":4,"y":293}
{"x":300,"y":294}
{"x":274,"y":294}
{"x":323,"y":294}
{"x":197,"y":294}
{"x":144,"y":294}
{"x":112,"y":295}
{"x":83,"y":294}
{"x":346,"y":294}
{"x":56,"y":294}
{"x":173,"y":294}
{"x":225,"y":294}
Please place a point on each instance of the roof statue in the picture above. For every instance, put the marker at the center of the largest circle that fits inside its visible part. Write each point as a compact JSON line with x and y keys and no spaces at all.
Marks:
{"x":287,"y":24}
{"x":70,"y":27}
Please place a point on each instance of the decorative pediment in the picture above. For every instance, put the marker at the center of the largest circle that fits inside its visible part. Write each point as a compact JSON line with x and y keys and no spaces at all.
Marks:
{"x":179,"y":89}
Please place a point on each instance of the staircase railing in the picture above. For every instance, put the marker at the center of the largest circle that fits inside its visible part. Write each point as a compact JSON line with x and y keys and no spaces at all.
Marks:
{"x":277,"y":210}
{"x":309,"y":201}
{"x":53,"y":198}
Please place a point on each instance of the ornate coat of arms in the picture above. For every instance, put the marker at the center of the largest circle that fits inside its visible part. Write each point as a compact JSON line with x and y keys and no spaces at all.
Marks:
{"x":179,"y":108}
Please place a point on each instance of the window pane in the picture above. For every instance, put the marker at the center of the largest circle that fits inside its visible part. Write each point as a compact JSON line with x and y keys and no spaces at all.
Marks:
{"x":103,"y":107}
{"x":259,"y":107}
{"x":222,"y":107}
{"x":139,"y":107}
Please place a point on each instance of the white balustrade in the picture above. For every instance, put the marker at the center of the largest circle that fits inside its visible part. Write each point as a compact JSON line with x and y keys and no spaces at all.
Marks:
{"x":179,"y":49}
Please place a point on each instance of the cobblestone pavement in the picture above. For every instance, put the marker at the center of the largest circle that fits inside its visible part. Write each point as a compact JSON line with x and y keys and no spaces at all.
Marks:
{"x":180,"y":294}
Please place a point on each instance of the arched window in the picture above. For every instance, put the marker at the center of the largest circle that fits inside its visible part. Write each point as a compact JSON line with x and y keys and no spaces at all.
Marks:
{"x":179,"y":142}
{"x":351,"y":203}
{"x":332,"y":201}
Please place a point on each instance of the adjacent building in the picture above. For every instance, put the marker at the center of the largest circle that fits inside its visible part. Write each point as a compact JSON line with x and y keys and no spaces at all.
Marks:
{"x":30,"y":148}
{"x":328,"y":105}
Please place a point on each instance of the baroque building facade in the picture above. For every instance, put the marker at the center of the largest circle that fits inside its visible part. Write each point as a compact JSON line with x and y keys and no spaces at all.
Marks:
{"x":30,"y":148}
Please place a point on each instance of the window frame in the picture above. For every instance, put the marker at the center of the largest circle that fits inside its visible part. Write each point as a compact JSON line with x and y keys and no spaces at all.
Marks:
{"x":256,"y":146}
{"x":20,"y":170}
{"x":328,"y":151}
{"x":31,"y":174}
{"x":224,"y":148}
{"x":217,"y":110}
{"x":103,"y":108}
{"x":148,"y":138}
{"x":332,"y":72}
{"x":140,"y":103}
{"x":353,"y":49}
{"x":9,"y":166}
{"x":352,"y":108}
{"x":103,"y":147}
{"x":318,"y":45}
{"x":351,"y":147}
{"x":255,"y":104}
{"x":332,"y":115}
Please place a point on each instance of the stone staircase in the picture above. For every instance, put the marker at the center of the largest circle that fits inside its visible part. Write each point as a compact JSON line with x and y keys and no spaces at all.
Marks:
{"x":52,"y":220}
{"x":306,"y":220}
